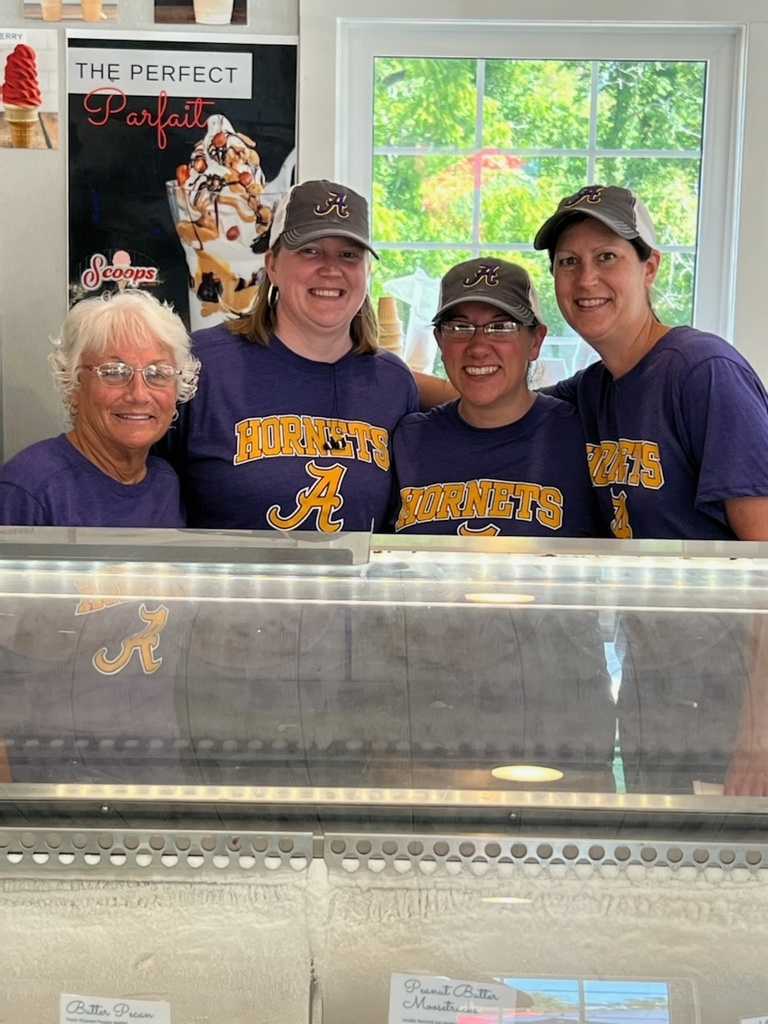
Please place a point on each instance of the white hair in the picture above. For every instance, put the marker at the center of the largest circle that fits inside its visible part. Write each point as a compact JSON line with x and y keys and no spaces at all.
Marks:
{"x":133,"y":315}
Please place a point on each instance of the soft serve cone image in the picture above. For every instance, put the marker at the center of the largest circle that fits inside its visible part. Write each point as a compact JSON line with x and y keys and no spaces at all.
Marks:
{"x":222,"y":208}
{"x":21,"y":95}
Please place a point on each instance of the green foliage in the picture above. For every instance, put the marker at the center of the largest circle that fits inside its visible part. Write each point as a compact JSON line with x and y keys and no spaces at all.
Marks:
{"x":490,"y":195}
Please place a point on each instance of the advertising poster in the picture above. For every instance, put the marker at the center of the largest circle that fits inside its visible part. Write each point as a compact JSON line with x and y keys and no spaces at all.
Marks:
{"x":29,"y":89}
{"x":179,"y":150}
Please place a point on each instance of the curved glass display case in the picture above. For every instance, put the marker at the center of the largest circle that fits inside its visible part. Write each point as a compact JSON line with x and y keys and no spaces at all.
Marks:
{"x":369,"y":779}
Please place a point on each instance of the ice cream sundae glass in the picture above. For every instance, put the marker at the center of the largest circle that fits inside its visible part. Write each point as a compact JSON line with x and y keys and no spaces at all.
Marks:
{"x":222,"y":209}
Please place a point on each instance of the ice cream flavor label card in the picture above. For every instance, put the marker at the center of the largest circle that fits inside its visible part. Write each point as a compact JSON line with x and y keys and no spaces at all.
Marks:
{"x":429,"y":999}
{"x":76,"y":1009}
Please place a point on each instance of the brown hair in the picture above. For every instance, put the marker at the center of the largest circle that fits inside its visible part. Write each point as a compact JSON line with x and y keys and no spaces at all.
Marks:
{"x":258,"y":325}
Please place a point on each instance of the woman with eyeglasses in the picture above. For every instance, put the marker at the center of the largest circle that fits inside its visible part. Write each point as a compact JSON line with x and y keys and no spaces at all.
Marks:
{"x":500,"y":459}
{"x":123,"y":362}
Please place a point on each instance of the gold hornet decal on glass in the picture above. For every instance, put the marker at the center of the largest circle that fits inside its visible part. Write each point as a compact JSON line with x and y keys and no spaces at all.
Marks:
{"x":322,"y":498}
{"x":143,"y":644}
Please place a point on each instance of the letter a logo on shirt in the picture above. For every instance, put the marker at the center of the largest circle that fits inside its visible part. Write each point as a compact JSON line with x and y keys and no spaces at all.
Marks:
{"x":620,"y":522}
{"x":322,"y":498}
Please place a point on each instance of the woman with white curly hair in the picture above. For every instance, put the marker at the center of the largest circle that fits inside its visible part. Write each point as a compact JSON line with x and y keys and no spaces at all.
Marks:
{"x":123,"y":362}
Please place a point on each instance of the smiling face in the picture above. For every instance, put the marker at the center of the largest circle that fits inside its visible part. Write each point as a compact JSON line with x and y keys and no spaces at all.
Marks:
{"x":490,"y":373}
{"x":322,"y":286}
{"x":122,"y":422}
{"x":601,"y":284}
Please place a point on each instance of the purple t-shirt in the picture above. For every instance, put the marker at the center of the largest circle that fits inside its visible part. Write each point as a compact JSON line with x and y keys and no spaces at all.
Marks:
{"x":670,"y":441}
{"x":526,"y":479}
{"x":252,"y":447}
{"x":51,"y":483}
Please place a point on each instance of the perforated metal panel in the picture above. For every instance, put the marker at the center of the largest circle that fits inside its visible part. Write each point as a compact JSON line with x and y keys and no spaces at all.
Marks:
{"x":453,"y":855}
{"x":133,"y":853}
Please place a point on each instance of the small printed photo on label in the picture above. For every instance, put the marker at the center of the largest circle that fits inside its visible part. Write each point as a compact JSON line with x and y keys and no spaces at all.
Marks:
{"x":29,"y":89}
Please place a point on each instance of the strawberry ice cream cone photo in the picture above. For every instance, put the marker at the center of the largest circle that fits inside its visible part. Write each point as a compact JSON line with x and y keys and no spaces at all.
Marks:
{"x":21,"y":96}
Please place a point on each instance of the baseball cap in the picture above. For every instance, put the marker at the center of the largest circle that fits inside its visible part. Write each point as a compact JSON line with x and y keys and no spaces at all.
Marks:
{"x":618,"y":208}
{"x":318,"y":209}
{"x":495,"y":282}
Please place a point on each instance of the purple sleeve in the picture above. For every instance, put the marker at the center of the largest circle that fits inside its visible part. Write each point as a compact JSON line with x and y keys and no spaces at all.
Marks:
{"x":565,"y":390}
{"x":724,"y":410}
{"x":18,"y":508}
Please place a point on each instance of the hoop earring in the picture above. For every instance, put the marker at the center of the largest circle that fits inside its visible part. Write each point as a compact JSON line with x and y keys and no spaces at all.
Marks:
{"x":273,"y":294}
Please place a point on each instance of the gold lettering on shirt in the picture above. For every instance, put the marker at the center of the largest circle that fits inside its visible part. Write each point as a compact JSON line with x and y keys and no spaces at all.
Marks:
{"x":267,"y":437}
{"x":625,"y":463}
{"x":480,"y":499}
{"x":112,"y":586}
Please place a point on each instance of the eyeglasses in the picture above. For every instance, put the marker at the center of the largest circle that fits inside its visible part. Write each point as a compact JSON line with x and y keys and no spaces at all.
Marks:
{"x":118,"y":375}
{"x":460,"y":330}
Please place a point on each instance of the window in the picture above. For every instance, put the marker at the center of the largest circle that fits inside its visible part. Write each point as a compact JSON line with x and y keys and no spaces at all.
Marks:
{"x":470,"y":156}
{"x":490,"y":123}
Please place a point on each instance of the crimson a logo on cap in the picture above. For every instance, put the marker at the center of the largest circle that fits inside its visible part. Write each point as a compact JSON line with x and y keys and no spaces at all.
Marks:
{"x":590,"y":193}
{"x":335,"y":203}
{"x":486,"y":272}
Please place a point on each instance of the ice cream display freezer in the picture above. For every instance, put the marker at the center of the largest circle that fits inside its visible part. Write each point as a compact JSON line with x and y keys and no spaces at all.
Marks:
{"x":297,"y":779}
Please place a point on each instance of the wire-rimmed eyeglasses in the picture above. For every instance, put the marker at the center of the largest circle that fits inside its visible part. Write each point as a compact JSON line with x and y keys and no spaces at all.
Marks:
{"x":461,"y":330}
{"x":118,"y":375}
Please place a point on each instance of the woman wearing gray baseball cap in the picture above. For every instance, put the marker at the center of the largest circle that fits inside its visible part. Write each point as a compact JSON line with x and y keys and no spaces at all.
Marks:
{"x":500,"y":459}
{"x":503,"y":460}
{"x":296,"y":402}
{"x":676,"y":424}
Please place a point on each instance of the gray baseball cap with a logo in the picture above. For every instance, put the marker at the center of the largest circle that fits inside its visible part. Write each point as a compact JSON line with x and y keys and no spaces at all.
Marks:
{"x":319,"y":209}
{"x":494,"y":282}
{"x":618,"y":208}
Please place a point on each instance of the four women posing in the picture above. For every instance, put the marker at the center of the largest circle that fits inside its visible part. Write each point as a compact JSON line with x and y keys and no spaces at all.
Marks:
{"x":297,"y":412}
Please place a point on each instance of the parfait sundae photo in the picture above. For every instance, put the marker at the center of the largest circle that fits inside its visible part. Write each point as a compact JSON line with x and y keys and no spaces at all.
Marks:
{"x":222,"y":209}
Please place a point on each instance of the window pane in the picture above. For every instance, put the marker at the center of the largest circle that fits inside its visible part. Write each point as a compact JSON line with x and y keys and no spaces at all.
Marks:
{"x":669,"y":188}
{"x":650,"y":105}
{"x":672,"y":293}
{"x":423,"y":102}
{"x":422,"y":199}
{"x":536,"y":104}
{"x":517,"y":197}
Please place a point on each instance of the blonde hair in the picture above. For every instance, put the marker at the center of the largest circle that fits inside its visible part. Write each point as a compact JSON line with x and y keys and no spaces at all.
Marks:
{"x":258,"y":325}
{"x":134,"y":315}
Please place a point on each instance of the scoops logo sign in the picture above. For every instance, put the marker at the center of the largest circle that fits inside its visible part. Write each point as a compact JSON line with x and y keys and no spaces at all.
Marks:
{"x":120,"y":270}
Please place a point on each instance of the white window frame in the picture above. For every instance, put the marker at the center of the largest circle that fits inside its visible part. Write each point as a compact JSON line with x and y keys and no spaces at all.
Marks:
{"x":356,"y":41}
